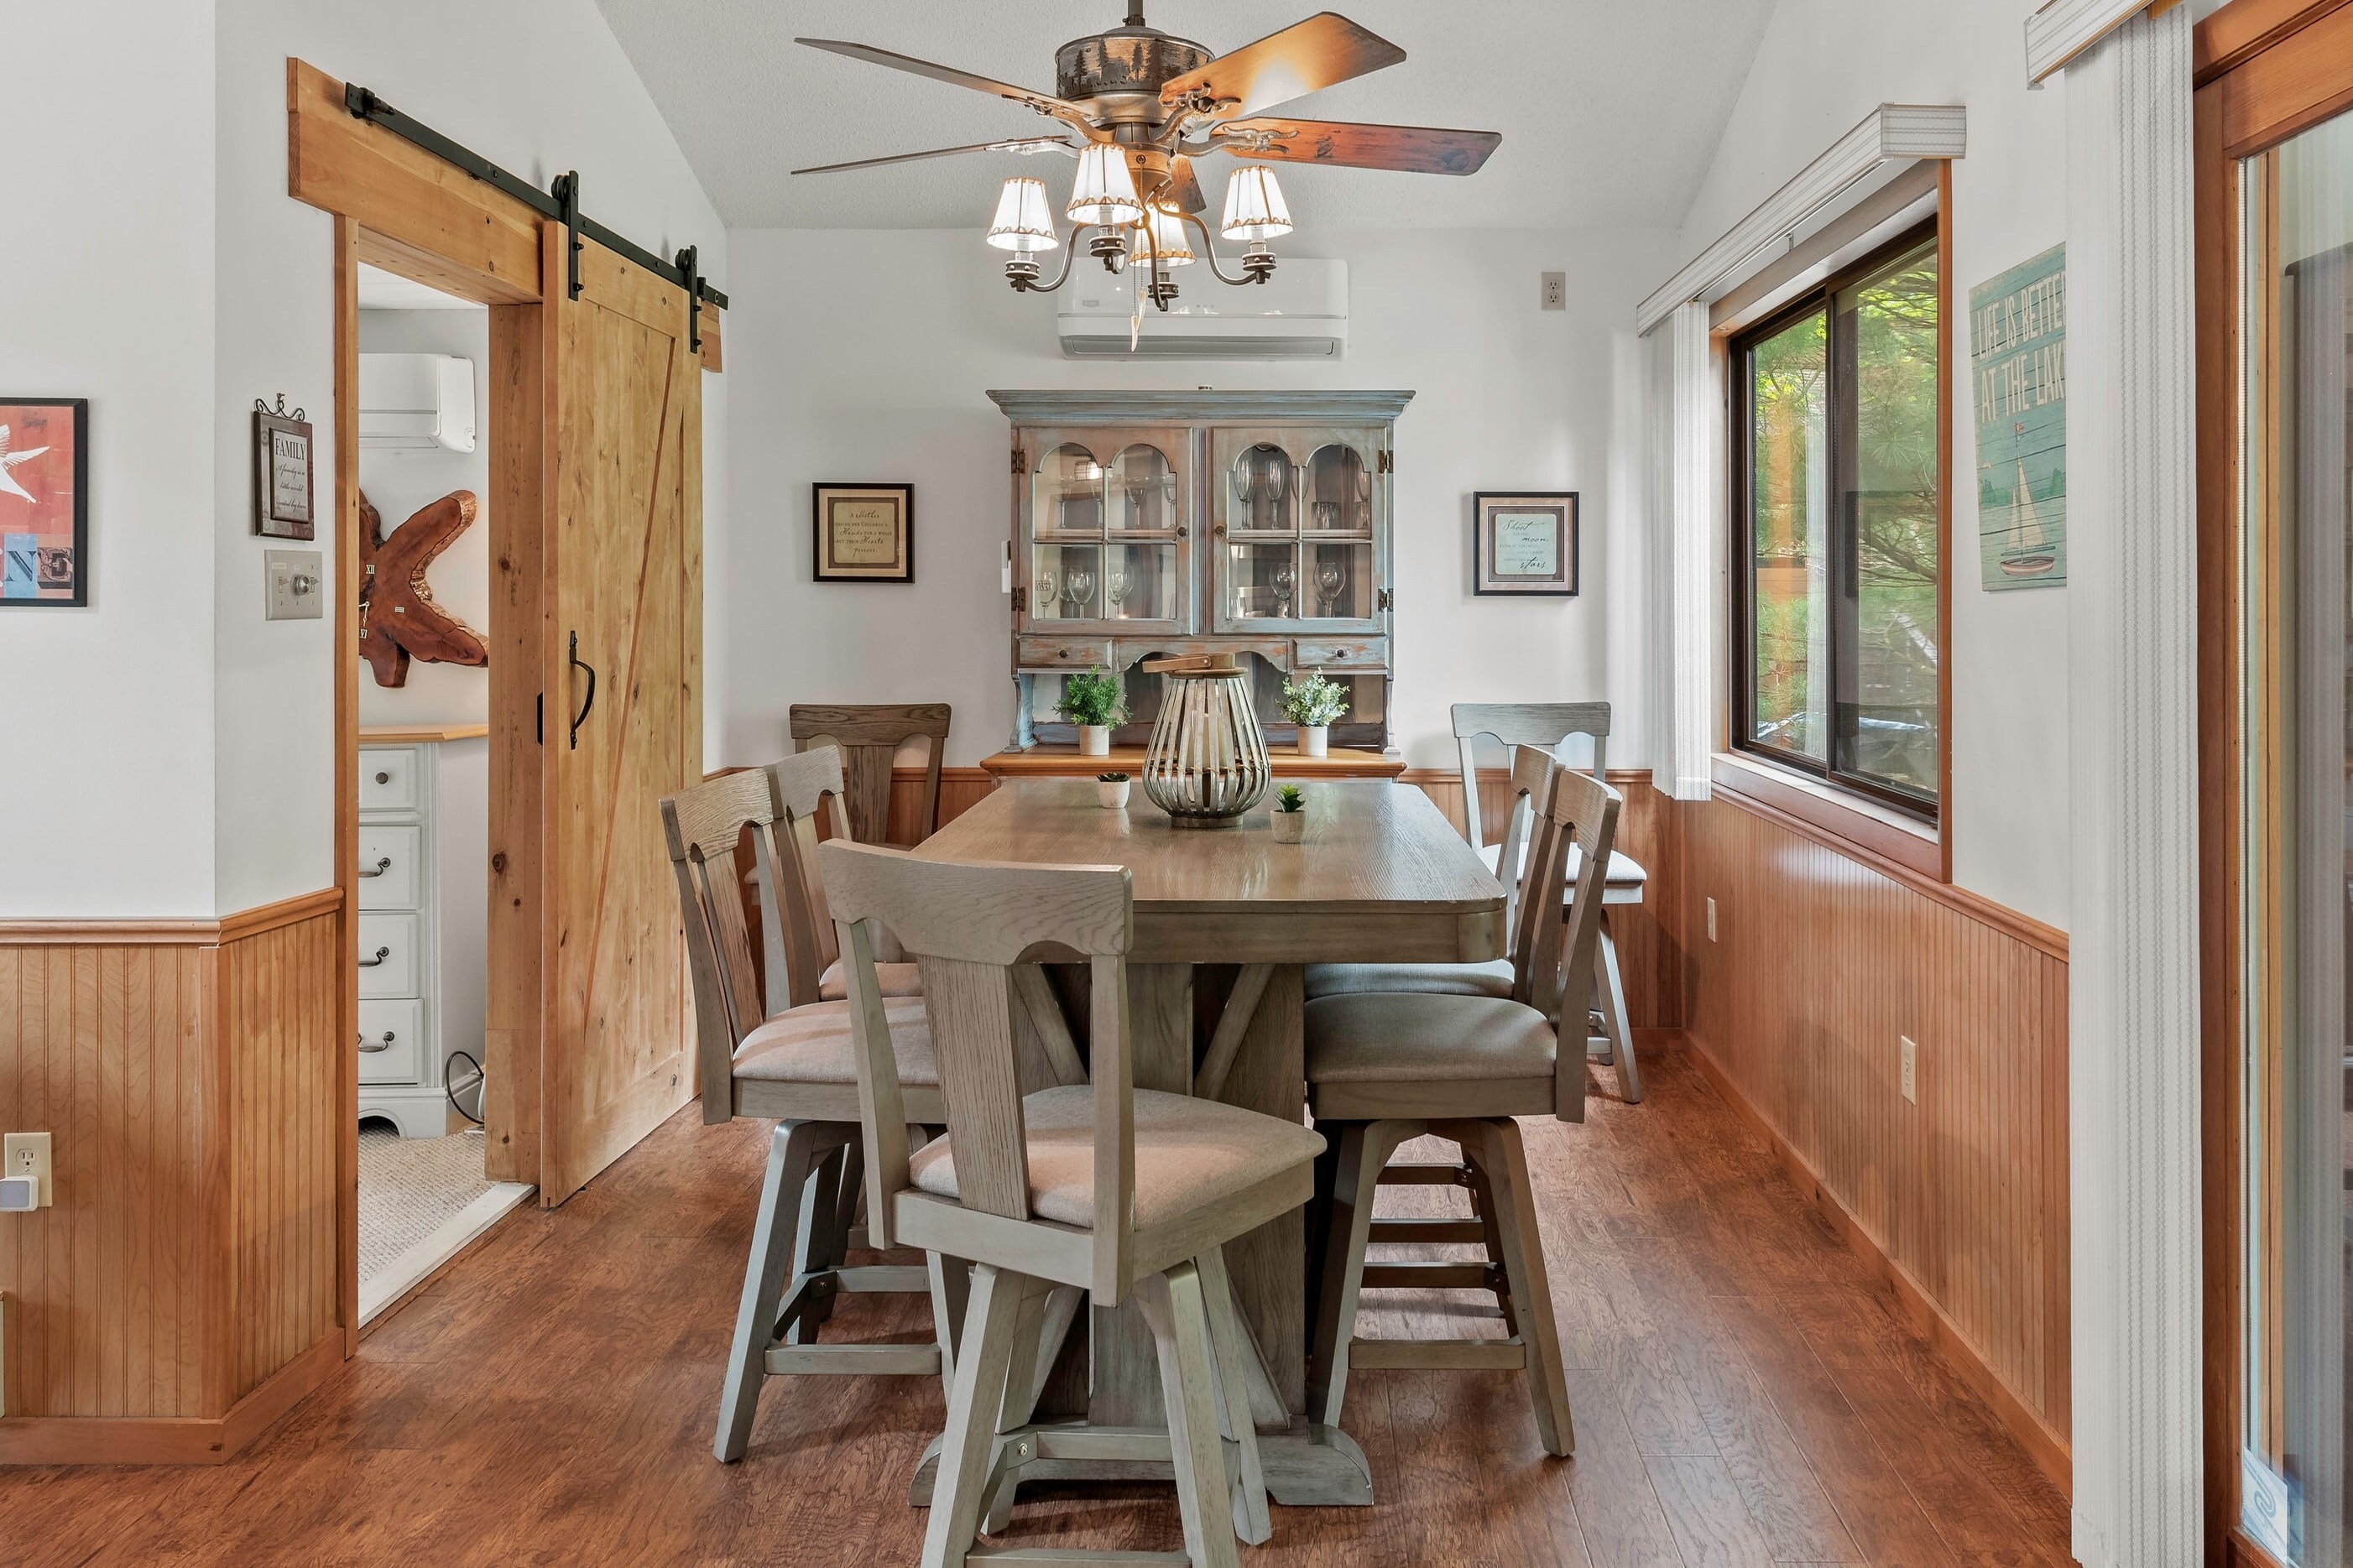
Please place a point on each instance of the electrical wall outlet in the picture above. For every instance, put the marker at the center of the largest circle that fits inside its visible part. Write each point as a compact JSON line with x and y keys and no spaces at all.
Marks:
{"x":1711,"y":919}
{"x":27,"y":1155}
{"x":1555,"y":292}
{"x":1908,"y":1074}
{"x":293,"y":579}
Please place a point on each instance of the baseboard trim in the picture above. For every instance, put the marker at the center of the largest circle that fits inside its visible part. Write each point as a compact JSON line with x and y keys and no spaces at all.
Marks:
{"x":2047,"y":1445}
{"x":141,"y":1440}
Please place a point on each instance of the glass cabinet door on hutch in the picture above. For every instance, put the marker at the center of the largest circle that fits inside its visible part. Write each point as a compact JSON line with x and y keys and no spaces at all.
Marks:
{"x":1107,"y":527}
{"x":1300,"y":523}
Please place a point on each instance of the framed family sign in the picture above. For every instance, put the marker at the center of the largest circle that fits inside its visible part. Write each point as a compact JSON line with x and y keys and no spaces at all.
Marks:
{"x":1525,"y":541}
{"x":863,"y":534}
{"x":281,"y":472}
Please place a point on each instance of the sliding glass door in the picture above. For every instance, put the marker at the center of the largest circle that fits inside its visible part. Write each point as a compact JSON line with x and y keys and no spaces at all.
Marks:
{"x":2295,"y":310}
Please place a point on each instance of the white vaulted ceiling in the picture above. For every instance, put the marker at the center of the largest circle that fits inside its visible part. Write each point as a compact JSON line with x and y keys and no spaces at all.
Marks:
{"x":1609,"y":109}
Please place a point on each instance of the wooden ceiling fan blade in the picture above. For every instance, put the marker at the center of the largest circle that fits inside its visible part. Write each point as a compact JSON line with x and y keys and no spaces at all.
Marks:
{"x":1043,"y":102}
{"x":1304,"y":58}
{"x":1412,"y":149}
{"x":1022,"y":144}
{"x":1184,"y":187}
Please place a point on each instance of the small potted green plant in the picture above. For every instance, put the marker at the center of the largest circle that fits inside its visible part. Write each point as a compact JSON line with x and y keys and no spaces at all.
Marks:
{"x":1094,"y":703}
{"x":1289,"y":814}
{"x":1110,"y":791}
{"x":1311,"y":702}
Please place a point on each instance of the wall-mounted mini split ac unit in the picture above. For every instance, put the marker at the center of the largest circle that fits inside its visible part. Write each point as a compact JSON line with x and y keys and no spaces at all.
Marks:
{"x":416,"y":403}
{"x":1300,"y":312}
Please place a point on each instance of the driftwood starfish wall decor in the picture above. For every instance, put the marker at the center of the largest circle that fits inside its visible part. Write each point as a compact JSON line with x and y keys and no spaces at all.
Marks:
{"x":398,"y":618}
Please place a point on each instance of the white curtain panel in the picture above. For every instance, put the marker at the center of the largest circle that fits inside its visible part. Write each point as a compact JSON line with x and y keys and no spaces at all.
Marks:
{"x":1691,"y":664}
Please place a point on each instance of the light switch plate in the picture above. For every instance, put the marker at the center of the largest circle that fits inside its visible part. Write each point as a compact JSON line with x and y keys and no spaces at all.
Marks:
{"x":1910,"y":1072}
{"x":1555,"y":292}
{"x":27,"y":1155}
{"x":1711,"y":919}
{"x":294,"y":582}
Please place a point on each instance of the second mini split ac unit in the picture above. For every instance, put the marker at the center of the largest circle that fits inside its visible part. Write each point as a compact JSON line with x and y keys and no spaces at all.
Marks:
{"x":1300,"y":312}
{"x":416,"y":403}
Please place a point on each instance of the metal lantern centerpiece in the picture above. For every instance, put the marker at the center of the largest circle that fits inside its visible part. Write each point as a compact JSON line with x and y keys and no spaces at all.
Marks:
{"x":1206,"y":763}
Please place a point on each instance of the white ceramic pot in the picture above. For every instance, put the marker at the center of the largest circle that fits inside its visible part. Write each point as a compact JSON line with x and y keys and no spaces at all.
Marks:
{"x":1094,"y":739}
{"x":1289,"y":826}
{"x":1112,"y":794}
{"x":1315,"y":740}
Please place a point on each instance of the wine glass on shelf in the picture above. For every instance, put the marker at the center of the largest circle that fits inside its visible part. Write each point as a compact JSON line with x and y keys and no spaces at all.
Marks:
{"x":1078,"y":588}
{"x":1286,"y":585}
{"x":1364,"y":497}
{"x":1049,"y":592}
{"x":1116,"y":587}
{"x":1331,"y":578}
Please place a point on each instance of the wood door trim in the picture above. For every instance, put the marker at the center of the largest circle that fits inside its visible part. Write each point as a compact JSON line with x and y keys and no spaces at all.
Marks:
{"x":2048,"y":1447}
{"x":347,"y":760}
{"x":2304,"y":76}
{"x":2237,"y":32}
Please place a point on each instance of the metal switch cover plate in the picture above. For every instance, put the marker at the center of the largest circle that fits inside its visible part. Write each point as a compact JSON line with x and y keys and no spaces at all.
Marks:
{"x":294,"y":582}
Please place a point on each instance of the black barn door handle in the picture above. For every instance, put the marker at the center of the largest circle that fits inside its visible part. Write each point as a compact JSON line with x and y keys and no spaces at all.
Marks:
{"x":590,"y":701}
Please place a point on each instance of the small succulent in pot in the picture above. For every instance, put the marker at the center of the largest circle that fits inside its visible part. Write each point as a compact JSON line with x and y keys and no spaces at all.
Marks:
{"x":1311,"y":702}
{"x":1110,"y":791}
{"x":1290,"y":816}
{"x":1094,"y":702}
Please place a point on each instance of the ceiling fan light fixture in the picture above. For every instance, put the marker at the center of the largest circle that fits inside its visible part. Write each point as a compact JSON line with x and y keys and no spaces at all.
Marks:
{"x":1025,"y":218}
{"x":1105,"y":191}
{"x":1169,"y":242}
{"x":1255,"y":209}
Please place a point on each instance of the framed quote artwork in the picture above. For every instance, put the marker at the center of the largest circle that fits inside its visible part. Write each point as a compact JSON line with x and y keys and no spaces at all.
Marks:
{"x":44,"y":502}
{"x":863,"y":534}
{"x":281,"y":473}
{"x":1526,"y":542}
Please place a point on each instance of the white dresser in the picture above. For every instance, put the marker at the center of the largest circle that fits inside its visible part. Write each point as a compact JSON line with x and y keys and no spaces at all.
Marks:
{"x":423,"y":840}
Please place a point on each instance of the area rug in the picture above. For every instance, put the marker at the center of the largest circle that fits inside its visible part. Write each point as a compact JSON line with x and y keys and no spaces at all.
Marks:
{"x":409,"y":1188}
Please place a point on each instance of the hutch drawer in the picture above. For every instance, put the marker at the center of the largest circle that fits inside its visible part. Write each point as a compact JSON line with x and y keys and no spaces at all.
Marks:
{"x":1341,"y":653}
{"x":1064,"y":653}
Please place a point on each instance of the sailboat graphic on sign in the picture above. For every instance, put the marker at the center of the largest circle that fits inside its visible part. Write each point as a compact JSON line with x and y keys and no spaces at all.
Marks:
{"x":2026,"y":550}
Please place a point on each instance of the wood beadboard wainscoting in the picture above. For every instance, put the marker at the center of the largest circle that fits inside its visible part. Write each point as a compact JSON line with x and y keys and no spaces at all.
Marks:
{"x":181,"y":1292}
{"x":1823,"y":960}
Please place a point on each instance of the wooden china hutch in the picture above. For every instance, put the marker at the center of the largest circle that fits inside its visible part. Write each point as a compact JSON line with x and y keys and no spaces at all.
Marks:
{"x":1255,"y":524}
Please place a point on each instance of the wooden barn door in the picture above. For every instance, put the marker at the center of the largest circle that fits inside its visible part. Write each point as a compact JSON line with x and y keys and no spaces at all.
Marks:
{"x":616,"y":636}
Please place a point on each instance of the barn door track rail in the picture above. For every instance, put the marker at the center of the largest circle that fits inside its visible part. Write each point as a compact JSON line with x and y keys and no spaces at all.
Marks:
{"x":562,"y":203}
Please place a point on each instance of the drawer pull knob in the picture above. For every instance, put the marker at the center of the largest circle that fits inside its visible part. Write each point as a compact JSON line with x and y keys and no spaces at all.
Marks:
{"x":383,"y":1044}
{"x":382,"y":864}
{"x":381,"y":954}
{"x":383,"y":778}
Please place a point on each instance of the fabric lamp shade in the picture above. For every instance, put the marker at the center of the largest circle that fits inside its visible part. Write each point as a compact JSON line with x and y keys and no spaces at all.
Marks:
{"x":1254,"y":205}
{"x":1104,"y":193}
{"x":1169,"y":239}
{"x":1024,"y":220}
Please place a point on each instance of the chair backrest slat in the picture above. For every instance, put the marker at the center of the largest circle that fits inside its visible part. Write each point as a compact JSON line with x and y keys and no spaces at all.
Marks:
{"x":804,"y":946}
{"x":1531,"y":774}
{"x":703,"y":827}
{"x":1547,"y":725}
{"x":1583,"y":812}
{"x":868,"y":736}
{"x":967,"y":925}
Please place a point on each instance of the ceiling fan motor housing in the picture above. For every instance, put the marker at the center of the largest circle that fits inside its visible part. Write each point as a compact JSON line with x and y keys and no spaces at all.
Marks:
{"x":1124,"y":60}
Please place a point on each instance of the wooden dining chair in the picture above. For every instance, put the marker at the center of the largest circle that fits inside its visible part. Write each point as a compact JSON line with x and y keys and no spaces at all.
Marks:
{"x":869,"y":735}
{"x":794,"y":920}
{"x":796,"y":1066}
{"x":1550,"y":726}
{"x":1104,"y":1188}
{"x":1384,"y":1067}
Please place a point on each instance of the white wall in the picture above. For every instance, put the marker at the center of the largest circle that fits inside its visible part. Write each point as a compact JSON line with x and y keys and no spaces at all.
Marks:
{"x":105,"y":713}
{"x":538,"y":86}
{"x":866,"y":355}
{"x":398,"y":483}
{"x":1822,"y":65}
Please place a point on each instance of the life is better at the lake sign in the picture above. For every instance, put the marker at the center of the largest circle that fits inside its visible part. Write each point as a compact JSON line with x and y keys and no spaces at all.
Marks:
{"x":2018,"y":354}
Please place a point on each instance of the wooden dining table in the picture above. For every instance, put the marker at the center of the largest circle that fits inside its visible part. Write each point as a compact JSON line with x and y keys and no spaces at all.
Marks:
{"x":1226,"y":921}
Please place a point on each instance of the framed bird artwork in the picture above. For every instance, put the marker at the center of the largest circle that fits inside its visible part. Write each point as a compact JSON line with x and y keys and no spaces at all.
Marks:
{"x":44,"y":502}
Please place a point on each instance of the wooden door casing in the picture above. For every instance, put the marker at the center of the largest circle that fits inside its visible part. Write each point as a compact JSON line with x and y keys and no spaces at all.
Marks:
{"x":623,"y":575}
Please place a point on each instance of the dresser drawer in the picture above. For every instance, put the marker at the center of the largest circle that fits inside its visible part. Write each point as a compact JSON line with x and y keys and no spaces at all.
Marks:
{"x":387,"y":955}
{"x":1064,"y":653}
{"x":388,"y":870}
{"x":391,"y":1042}
{"x":388,"y":778}
{"x":1341,"y":653}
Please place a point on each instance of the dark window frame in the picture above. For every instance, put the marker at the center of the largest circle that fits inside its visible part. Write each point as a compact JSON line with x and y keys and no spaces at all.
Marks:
{"x":1741,"y":426}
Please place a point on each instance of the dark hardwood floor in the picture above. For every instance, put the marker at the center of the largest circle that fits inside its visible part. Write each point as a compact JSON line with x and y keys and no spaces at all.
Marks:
{"x":1744,"y":1395}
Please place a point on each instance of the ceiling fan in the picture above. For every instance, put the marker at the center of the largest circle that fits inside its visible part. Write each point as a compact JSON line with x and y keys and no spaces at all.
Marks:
{"x":1142,"y":104}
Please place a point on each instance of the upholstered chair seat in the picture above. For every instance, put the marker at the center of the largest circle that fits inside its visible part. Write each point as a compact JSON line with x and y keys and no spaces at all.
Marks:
{"x":1368,"y":1037}
{"x":896,"y":980}
{"x":813,"y":1045}
{"x":1492,"y":979}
